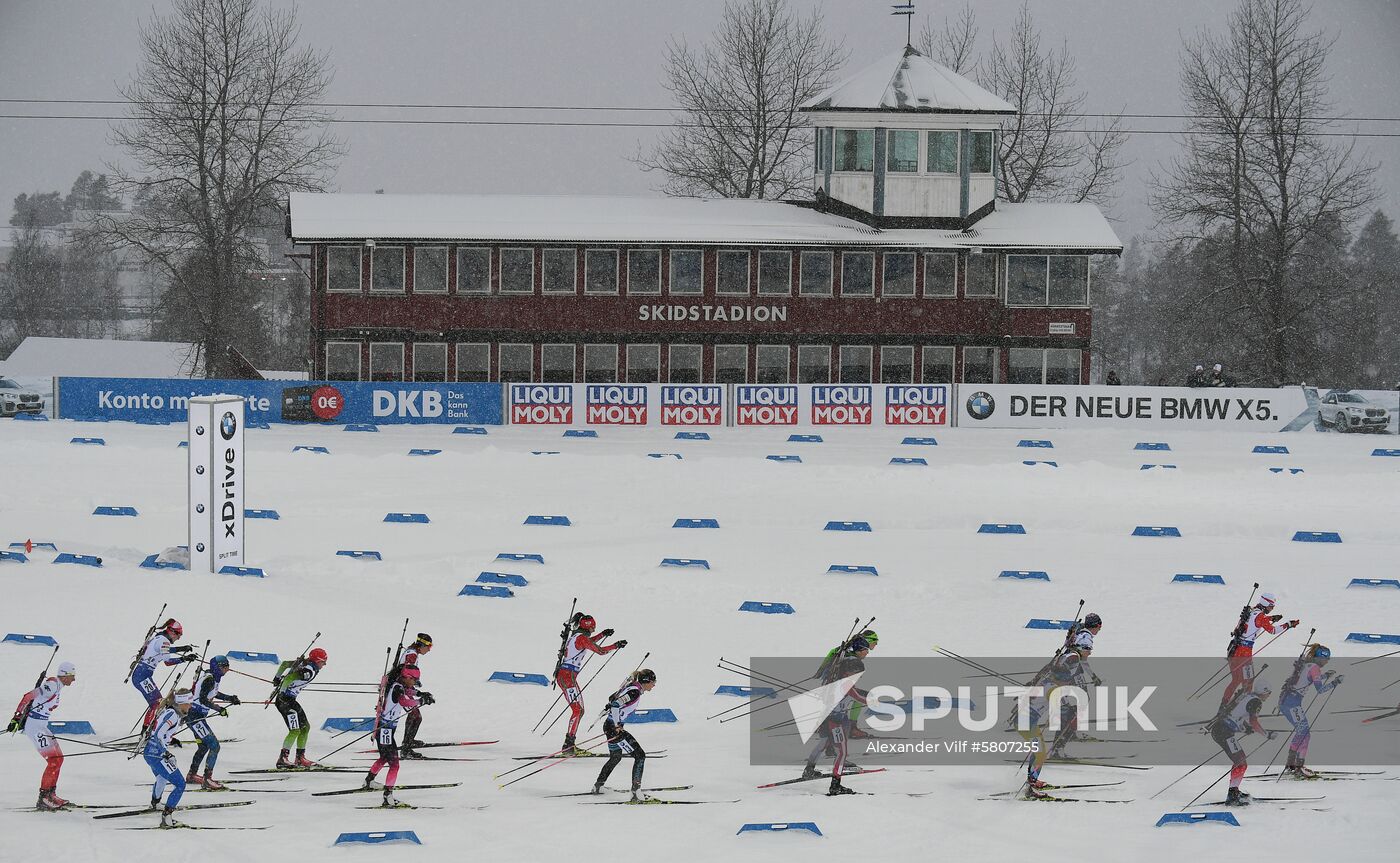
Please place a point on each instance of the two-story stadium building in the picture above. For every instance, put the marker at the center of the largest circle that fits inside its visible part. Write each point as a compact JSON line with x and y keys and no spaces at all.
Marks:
{"x":905,"y":267}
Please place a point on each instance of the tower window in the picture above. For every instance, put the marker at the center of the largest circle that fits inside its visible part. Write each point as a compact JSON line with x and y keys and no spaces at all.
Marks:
{"x":943,"y":152}
{"x":902,"y":151}
{"x":982,"y":143}
{"x":855,"y":149}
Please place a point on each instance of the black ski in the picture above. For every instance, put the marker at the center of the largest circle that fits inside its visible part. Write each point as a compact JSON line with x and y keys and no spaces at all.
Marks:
{"x":820,"y":776}
{"x":655,"y":801}
{"x":1059,"y":788}
{"x":1083,"y":762}
{"x":660,"y":753}
{"x":622,"y":791}
{"x":317,"y":769}
{"x":179,"y":826}
{"x":1253,"y":799}
{"x":407,"y":758}
{"x":1050,"y":798}
{"x":71,"y":806}
{"x":363,"y":790}
{"x":149,"y":811}
{"x":399,"y":805}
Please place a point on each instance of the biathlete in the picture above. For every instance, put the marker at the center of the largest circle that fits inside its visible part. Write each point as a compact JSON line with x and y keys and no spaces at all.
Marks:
{"x":291,"y":678}
{"x":1240,"y":653}
{"x":1067,"y":669}
{"x":620,"y":741}
{"x":1307,"y":673}
{"x":159,"y":649}
{"x":409,"y":658}
{"x":403,"y":699}
{"x":578,"y":643}
{"x":1238,"y":718}
{"x":32,"y":717}
{"x":835,"y":729}
{"x":208,"y":700}
{"x":174,"y":708}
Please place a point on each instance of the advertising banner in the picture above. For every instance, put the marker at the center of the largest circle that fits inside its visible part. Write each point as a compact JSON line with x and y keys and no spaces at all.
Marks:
{"x":216,"y":482}
{"x":1017,"y":406}
{"x":617,"y":404}
{"x":167,"y":400}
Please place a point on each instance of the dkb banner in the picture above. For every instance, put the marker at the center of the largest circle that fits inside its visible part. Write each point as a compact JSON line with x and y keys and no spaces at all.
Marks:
{"x":166,"y":400}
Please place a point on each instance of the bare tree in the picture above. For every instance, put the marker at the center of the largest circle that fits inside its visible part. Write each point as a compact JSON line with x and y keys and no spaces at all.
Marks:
{"x":1049,"y":151}
{"x":955,"y":44}
{"x":225,"y":121}
{"x":1261,"y":187}
{"x":742,"y":135}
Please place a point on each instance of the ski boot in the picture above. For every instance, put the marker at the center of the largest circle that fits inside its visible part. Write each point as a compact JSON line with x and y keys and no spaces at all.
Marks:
{"x":638,"y":796}
{"x":303,"y":761}
{"x":852,"y":767}
{"x":810,"y":771}
{"x":167,"y":818}
{"x":1236,"y":797}
{"x":50,"y":801}
{"x":407,"y":753}
{"x":1036,"y":783}
{"x":860,"y":734}
{"x":155,"y":804}
{"x":837,"y":788}
{"x":283,"y":762}
{"x":1298,"y":771}
{"x":210,"y":783}
{"x":390,"y":801}
{"x":370,"y":784}
{"x":193,"y":778}
{"x":597,"y":789}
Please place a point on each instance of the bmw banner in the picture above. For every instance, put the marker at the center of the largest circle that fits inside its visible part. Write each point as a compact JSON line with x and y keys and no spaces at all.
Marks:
{"x":1031,"y":406}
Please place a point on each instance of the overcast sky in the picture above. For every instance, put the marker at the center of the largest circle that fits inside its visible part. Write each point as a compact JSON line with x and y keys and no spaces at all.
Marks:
{"x":610,"y":53}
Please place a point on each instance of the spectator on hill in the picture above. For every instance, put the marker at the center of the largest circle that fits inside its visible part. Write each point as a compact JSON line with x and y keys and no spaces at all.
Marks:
{"x":1113,"y":380}
{"x":1197,"y":377}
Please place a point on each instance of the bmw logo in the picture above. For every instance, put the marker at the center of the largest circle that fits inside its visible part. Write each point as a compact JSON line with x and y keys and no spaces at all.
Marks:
{"x":980,"y":405}
{"x":228,"y":425}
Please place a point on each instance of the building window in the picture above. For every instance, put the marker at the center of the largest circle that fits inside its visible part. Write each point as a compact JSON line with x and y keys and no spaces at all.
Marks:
{"x":558,"y":270}
{"x":600,"y":364}
{"x":940,"y":275}
{"x":342,"y":361}
{"x":473,"y":363}
{"x":685,"y":364}
{"x":430,"y":363}
{"x":644,"y":271}
{"x":600,"y":271}
{"x":1062,"y":366}
{"x":557,"y":364}
{"x":1069,"y":280}
{"x":855,"y":149}
{"x":430,"y":270}
{"x":896,"y":365}
{"x":899,"y":275}
{"x":733,"y":273}
{"x":386,"y":269}
{"x":517,"y":364}
{"x":772,"y":364}
{"x":643,"y":364}
{"x":823,"y":138}
{"x":943,"y":152}
{"x":902,"y":151}
{"x":813,"y":364}
{"x":938,"y":365}
{"x":857,"y":274}
{"x":386,"y":361}
{"x":1037,"y":280}
{"x":979,"y":365}
{"x":473,"y":270}
{"x":775,"y":274}
{"x":855,"y":364}
{"x":982,"y":143}
{"x":981,"y":274}
{"x":343,"y":269}
{"x":517,"y":271}
{"x":815,"y":274}
{"x":1025,"y":366}
{"x":687,"y":272}
{"x":731,"y":364}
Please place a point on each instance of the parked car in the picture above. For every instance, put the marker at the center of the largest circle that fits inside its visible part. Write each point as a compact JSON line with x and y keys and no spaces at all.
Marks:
{"x":1348,"y":412}
{"x":15,"y":399}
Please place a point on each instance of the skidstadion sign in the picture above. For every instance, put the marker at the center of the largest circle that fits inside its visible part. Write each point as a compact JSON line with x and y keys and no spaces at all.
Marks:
{"x":716,"y":313}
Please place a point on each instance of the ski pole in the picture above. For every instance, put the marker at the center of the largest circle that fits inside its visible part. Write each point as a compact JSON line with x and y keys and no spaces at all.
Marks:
{"x":1226,"y":676}
{"x":784,"y":686}
{"x":581,"y":689}
{"x":1373,"y":658}
{"x":1216,"y":781}
{"x":1073,"y":628}
{"x":90,"y":743}
{"x":378,"y":702}
{"x":553,"y":754}
{"x":977,"y":665}
{"x":629,"y":677}
{"x":301,"y":656}
{"x":149,"y":632}
{"x":587,"y":659}
{"x":1295,"y":731}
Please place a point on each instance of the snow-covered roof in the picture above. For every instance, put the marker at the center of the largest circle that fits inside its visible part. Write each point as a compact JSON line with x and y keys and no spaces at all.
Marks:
{"x":908,"y":81}
{"x":636,"y":220}
{"x":43,"y":356}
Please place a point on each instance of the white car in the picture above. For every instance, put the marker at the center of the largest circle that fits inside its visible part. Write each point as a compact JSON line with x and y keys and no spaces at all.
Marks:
{"x":1348,"y":412}
{"x":15,"y":399}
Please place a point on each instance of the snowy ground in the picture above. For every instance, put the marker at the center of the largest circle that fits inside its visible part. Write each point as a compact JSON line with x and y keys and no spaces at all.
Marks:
{"x":937,"y":585}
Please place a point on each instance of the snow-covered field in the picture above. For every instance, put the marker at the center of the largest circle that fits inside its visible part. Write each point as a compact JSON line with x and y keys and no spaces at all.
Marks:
{"x":937,"y":585}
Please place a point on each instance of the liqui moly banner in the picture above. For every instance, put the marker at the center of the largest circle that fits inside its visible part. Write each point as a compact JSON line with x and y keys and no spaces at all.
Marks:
{"x":916,"y":404}
{"x":542,"y":404}
{"x":615,"y":404}
{"x":766,"y":405}
{"x":692,"y":404}
{"x":842,"y":404}
{"x":216,"y":482}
